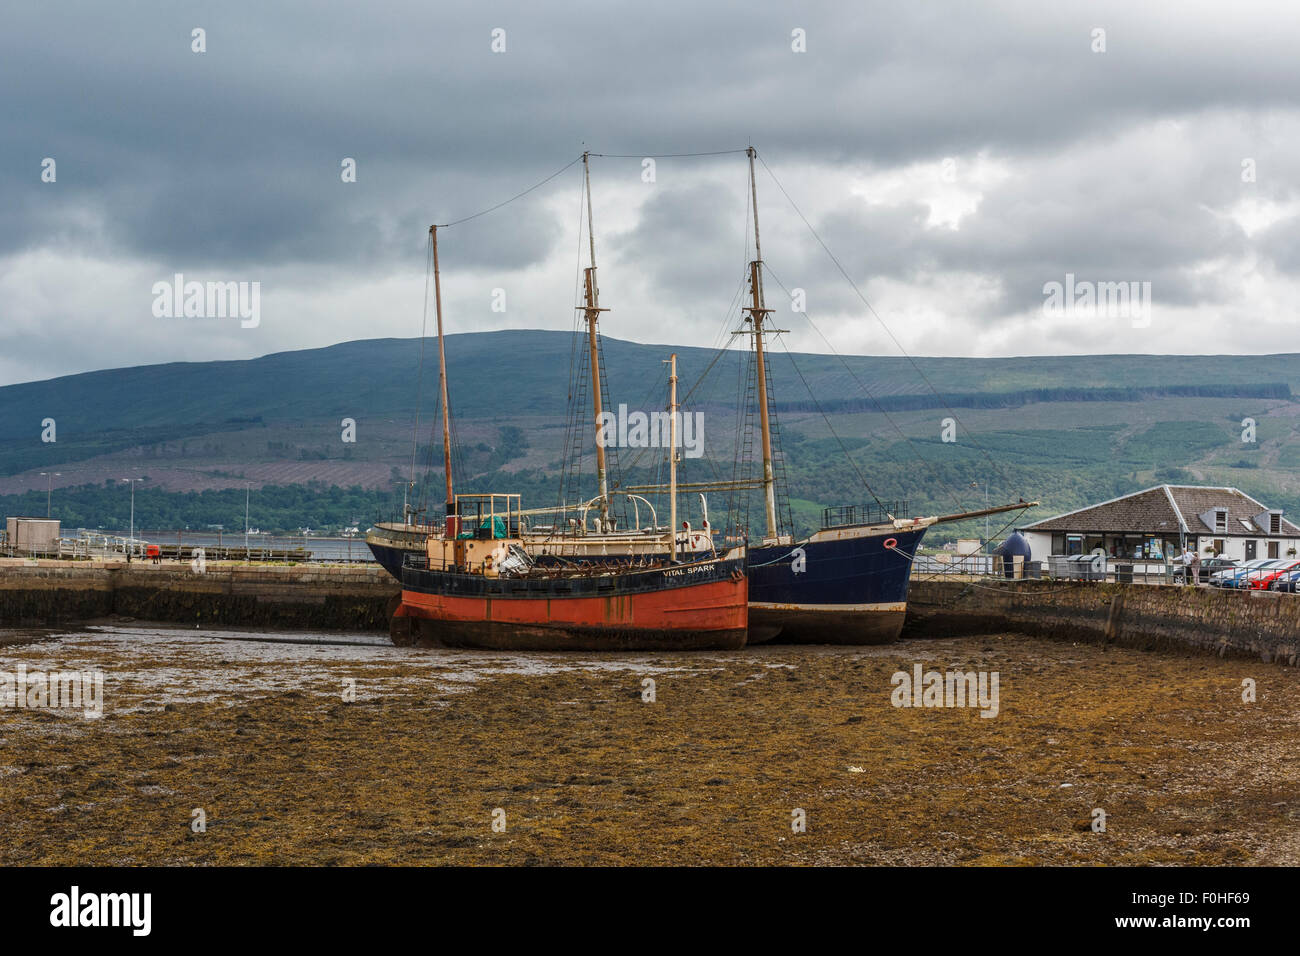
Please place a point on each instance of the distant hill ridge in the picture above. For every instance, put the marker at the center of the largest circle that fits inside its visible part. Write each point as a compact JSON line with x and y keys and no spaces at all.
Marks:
{"x":898,"y":403}
{"x":1065,"y":430}
{"x":376,"y":377}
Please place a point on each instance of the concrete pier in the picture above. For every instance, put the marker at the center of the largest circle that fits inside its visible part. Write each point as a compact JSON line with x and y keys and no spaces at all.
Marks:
{"x":43,"y":593}
{"x":1229,"y":623}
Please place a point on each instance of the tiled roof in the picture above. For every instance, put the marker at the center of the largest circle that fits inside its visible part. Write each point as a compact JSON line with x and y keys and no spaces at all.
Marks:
{"x":1193,"y":501}
{"x":1164,"y":510}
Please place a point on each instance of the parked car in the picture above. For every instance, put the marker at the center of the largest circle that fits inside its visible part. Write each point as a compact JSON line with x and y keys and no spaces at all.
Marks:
{"x":1227,"y":577}
{"x":1245,"y":576}
{"x":1218,"y":577}
{"x":1262,"y":579}
{"x":1290,"y":581}
{"x":1209,"y":568}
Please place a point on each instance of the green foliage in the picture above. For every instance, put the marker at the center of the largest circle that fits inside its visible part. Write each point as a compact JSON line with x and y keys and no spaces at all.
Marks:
{"x":1068,"y":431}
{"x":1174,"y":476}
{"x":1174,"y":441}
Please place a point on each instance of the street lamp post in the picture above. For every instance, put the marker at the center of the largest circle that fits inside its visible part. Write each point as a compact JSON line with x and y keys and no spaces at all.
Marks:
{"x":247,"y":492}
{"x":131,"y":539}
{"x":49,"y":487}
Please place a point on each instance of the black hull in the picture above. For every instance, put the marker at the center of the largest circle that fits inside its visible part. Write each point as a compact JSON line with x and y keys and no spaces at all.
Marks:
{"x":389,"y":557}
{"x":392,"y":556}
{"x":817,"y":626}
{"x":391,"y":542}
{"x":847,"y":588}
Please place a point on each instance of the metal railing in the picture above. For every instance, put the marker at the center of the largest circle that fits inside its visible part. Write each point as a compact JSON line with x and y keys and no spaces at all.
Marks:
{"x":846,"y":515}
{"x":1056,"y":568}
{"x":104,"y":547}
{"x":975,"y":565}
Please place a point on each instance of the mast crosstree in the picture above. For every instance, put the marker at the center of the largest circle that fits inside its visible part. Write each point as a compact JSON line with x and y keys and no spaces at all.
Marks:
{"x":592,"y":309}
{"x":758,"y":313}
{"x":442,"y":386}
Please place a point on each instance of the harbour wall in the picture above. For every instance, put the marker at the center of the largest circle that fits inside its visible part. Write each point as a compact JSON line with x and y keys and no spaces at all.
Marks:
{"x":1258,"y":624}
{"x":44,"y":593}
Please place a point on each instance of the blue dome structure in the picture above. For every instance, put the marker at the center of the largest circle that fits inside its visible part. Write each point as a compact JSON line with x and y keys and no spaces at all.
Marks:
{"x":1015,"y":545}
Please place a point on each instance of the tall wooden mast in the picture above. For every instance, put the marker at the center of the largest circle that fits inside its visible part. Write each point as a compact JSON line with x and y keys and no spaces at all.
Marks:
{"x":450,"y":528}
{"x":593,"y":310}
{"x":672,"y":457}
{"x":757,"y":315}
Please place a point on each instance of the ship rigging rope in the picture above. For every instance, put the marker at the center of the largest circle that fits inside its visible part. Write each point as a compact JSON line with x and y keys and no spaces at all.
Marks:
{"x":853,"y":285}
{"x":428,"y":274}
{"x":718,"y":352}
{"x":866,"y":391}
{"x":722,"y":340}
{"x":484,"y":212}
{"x":715,"y":152}
{"x":933,"y":575}
{"x":722,"y":345}
{"x":574,"y":161}
{"x":861,"y":477}
{"x":419,"y":375}
{"x":572,"y":414}
{"x":577,"y":159}
{"x":683,"y":404}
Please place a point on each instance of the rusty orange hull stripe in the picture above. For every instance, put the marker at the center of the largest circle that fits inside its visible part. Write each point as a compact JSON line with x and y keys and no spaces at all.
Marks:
{"x":718,"y":605}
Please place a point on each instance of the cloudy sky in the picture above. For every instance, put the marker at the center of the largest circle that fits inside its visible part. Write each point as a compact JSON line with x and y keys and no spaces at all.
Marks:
{"x":955,"y":157}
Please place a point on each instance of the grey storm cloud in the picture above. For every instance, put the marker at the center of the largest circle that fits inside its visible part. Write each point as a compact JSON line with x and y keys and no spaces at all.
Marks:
{"x":684,"y":239}
{"x":1281,"y":244}
{"x":244,"y":141}
{"x":1027,"y":235}
{"x":231,"y":158}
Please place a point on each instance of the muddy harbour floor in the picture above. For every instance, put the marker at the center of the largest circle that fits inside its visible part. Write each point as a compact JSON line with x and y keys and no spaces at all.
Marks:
{"x":574,"y":766}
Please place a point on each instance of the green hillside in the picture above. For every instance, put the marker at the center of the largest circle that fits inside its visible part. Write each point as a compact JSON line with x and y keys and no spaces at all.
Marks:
{"x":1064,"y":430}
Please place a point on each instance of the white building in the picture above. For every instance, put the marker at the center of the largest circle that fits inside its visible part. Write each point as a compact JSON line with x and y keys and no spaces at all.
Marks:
{"x":1157,"y":523}
{"x":32,"y":535}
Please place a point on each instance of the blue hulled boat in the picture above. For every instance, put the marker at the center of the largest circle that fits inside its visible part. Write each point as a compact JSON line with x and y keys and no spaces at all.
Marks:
{"x":847,"y":582}
{"x":844,"y":584}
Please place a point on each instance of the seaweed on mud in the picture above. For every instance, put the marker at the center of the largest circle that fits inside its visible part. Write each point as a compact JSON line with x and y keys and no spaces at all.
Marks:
{"x":289,"y":772}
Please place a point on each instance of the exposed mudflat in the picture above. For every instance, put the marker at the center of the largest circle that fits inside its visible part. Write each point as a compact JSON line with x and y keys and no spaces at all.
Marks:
{"x":258,"y":735}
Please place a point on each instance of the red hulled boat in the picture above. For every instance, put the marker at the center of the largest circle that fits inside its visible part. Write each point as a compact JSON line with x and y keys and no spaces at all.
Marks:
{"x":480,"y":588}
{"x":477,"y":585}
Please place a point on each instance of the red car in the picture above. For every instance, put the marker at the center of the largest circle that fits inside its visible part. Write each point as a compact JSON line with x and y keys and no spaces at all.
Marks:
{"x":1260,"y":580}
